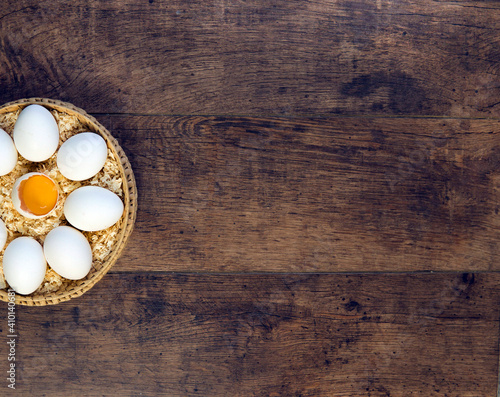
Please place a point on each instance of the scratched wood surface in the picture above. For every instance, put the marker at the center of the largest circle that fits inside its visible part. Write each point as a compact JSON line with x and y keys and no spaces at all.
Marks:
{"x":277,"y":145}
{"x":255,"y":57}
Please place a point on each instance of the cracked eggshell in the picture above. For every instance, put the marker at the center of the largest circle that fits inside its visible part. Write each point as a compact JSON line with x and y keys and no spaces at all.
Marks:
{"x":17,"y":200}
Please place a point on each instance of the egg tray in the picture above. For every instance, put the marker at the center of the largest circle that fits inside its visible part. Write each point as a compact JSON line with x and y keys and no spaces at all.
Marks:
{"x":72,"y":289}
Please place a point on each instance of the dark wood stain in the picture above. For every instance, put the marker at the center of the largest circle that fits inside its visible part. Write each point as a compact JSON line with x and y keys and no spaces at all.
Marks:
{"x":405,"y":96}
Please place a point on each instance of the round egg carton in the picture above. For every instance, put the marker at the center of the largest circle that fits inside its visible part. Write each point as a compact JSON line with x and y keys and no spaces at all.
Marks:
{"x":74,"y":288}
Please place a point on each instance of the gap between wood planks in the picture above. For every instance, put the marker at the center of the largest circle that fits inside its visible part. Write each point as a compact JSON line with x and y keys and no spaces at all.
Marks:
{"x":295,"y":116}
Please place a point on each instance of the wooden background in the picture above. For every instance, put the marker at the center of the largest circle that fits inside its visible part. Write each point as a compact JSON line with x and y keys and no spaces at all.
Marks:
{"x":319,"y":189}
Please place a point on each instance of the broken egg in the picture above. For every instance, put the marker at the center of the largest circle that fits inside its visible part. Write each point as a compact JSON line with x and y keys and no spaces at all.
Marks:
{"x":34,"y":195}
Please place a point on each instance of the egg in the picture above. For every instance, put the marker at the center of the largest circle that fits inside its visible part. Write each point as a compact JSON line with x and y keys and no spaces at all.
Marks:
{"x":34,"y":195}
{"x":3,"y":235}
{"x":68,"y":252}
{"x":36,"y":134}
{"x":8,"y":153}
{"x":82,"y":156}
{"x":93,"y":208}
{"x":24,"y":265}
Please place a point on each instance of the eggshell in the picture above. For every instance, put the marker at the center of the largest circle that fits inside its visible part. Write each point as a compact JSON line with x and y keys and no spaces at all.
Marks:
{"x":82,"y":156}
{"x":36,"y":134}
{"x":8,"y":153}
{"x":93,"y":208}
{"x":24,"y":265}
{"x":3,"y":235}
{"x":16,"y":199}
{"x":68,"y":252}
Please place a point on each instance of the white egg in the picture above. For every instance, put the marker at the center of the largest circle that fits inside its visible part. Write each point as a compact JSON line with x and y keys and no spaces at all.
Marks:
{"x":93,"y":208}
{"x":34,"y":195}
{"x":3,"y":235}
{"x":24,"y":265}
{"x":36,"y":133}
{"x":82,"y":156}
{"x":68,"y":252}
{"x":8,"y":153}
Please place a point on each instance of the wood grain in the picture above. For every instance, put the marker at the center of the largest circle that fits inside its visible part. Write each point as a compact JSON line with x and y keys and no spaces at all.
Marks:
{"x":256,"y":57}
{"x":265,"y":335}
{"x":254,"y":195}
{"x":312,"y":195}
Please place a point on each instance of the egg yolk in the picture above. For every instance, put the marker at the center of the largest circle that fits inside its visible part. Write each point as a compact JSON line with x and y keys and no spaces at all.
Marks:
{"x":38,"y":195}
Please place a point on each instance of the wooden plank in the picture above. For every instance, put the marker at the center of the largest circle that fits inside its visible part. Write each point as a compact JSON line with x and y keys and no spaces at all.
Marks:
{"x":264,"y":335}
{"x":312,"y":195}
{"x":255,"y":57}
